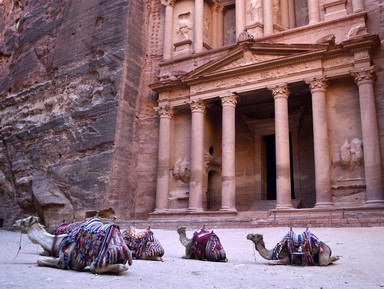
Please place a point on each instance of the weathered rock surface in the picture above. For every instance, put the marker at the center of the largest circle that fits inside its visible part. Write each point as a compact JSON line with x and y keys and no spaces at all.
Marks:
{"x":70,"y":77}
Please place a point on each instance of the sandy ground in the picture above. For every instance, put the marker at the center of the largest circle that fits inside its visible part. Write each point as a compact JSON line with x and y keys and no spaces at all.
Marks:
{"x":360,"y":265}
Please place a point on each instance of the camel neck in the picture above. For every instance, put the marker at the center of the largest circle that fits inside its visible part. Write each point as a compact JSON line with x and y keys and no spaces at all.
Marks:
{"x":38,"y":235}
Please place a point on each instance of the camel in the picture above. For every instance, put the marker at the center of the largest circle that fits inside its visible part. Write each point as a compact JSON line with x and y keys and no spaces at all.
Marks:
{"x":315,"y":251}
{"x":204,"y":245}
{"x":94,"y":245}
{"x":143,"y":244}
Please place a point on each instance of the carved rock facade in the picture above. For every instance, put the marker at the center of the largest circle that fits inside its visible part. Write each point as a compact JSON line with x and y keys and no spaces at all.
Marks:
{"x":136,"y":107}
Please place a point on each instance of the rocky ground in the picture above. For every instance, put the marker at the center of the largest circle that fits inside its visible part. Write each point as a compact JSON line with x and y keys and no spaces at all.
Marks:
{"x":360,"y":265}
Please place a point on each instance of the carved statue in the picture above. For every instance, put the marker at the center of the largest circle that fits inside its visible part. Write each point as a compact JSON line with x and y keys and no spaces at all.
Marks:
{"x":181,"y":170}
{"x":184,"y":27}
{"x":351,"y":154}
{"x":255,"y":11}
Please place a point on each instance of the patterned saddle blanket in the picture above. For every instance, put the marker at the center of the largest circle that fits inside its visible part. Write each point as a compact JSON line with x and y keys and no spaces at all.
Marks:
{"x":93,"y":241}
{"x":65,"y":228}
{"x":299,"y":243}
{"x":207,"y":246}
{"x":142,"y":243}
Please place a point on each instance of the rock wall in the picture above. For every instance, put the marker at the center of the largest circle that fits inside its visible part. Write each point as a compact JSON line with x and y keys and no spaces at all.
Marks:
{"x":70,"y":79}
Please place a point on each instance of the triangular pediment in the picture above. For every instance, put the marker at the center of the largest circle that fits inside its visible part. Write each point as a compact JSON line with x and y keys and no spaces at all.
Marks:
{"x":252,"y":56}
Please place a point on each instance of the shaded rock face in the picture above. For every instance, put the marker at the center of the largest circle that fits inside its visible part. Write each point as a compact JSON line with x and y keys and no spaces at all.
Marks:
{"x":64,"y":94}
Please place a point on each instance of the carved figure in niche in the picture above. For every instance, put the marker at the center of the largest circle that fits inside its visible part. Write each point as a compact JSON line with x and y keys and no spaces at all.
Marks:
{"x":230,"y":35}
{"x":276,"y":11}
{"x":184,"y":26}
{"x":181,"y":170}
{"x":255,"y":11}
{"x":351,"y":154}
{"x":206,"y":28}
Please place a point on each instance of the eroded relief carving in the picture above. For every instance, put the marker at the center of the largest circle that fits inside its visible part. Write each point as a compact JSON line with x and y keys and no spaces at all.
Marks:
{"x":276,"y":11}
{"x":184,"y":26}
{"x":357,"y":30}
{"x":181,"y":170}
{"x":230,"y":35}
{"x":255,"y":11}
{"x":351,"y":154}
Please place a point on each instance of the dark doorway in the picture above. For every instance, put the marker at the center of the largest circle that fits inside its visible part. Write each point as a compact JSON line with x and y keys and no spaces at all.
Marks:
{"x":270,"y":152}
{"x":212,"y":199}
{"x":271,"y":166}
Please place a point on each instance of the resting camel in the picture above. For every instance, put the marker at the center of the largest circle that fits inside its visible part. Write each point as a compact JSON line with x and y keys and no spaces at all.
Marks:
{"x":204,"y":245}
{"x":92,"y":244}
{"x":315,"y":251}
{"x":143,"y":244}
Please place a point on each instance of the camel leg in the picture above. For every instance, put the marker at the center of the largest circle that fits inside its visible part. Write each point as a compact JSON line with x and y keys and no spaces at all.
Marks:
{"x":283,"y":261}
{"x":48,"y":262}
{"x":111,"y":268}
{"x":326,"y":260}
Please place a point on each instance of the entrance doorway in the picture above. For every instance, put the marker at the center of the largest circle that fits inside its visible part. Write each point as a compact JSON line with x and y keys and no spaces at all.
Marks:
{"x":213,"y":198}
{"x":270,"y":166}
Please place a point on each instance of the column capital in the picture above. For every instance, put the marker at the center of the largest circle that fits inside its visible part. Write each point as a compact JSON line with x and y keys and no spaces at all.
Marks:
{"x":229,"y":100}
{"x":197,"y":106}
{"x":364,"y":75}
{"x":279,"y":90}
{"x":318,"y":83}
{"x":168,"y":2}
{"x":165,"y":111}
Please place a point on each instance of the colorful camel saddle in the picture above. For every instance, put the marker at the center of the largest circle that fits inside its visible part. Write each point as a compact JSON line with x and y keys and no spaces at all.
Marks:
{"x":65,"y":228}
{"x":304,"y":243}
{"x":207,"y":246}
{"x":142,"y":243}
{"x":95,"y":242}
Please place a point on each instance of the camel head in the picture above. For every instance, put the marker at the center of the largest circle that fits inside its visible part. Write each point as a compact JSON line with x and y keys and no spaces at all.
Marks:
{"x":256,"y":238}
{"x":182,"y":230}
{"x":25,"y":224}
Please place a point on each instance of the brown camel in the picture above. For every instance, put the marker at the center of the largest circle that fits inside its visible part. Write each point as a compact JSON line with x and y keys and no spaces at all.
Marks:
{"x":319,"y":254}
{"x":205,"y":245}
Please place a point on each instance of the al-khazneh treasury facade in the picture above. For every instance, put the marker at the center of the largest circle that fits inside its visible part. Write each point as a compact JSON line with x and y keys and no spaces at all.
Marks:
{"x":267,"y":102}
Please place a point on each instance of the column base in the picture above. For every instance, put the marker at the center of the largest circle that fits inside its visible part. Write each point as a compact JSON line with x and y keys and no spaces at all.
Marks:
{"x":374,"y":203}
{"x":160,"y":211}
{"x":321,"y":205}
{"x":284,"y":206}
{"x":228,"y":209}
{"x":194,"y":209}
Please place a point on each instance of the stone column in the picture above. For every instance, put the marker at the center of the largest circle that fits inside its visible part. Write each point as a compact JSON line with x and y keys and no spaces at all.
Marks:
{"x":313,"y":11}
{"x":162,"y":185}
{"x":198,"y":26}
{"x":268,"y":17}
{"x":197,"y":157}
{"x":292,"y":16}
{"x":283,"y":167}
{"x":284,"y":8}
{"x":372,"y":161}
{"x":240,"y":17}
{"x":168,"y":28}
{"x":358,"y":6}
{"x":228,"y":153}
{"x":320,"y":136}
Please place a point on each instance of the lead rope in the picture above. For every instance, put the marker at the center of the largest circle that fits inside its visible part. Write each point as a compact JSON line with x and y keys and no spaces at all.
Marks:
{"x":18,"y":251}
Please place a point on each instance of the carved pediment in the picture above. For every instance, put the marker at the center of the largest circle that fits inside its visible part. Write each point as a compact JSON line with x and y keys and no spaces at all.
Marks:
{"x":253,"y":56}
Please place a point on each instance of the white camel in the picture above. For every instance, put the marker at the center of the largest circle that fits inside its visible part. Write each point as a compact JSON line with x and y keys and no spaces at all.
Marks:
{"x":108,"y":254}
